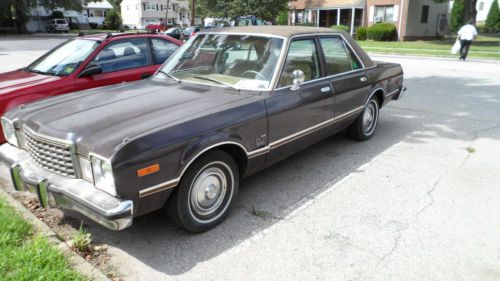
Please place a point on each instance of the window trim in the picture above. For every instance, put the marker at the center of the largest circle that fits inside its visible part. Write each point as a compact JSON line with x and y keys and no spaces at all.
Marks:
{"x":282,"y":62}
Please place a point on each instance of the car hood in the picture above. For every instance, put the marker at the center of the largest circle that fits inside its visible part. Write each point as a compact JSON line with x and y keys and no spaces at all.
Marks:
{"x":105,"y":117}
{"x":19,"y":79}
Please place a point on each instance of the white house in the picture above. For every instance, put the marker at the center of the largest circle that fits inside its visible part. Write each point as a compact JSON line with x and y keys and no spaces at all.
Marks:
{"x":139,"y":13}
{"x":92,"y":12}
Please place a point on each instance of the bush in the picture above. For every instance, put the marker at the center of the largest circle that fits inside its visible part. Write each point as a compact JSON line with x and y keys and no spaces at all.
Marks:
{"x":104,"y":27}
{"x":56,"y":15}
{"x":361,"y":33}
{"x":383,"y":31}
{"x":93,"y":25}
{"x":113,"y":20}
{"x":282,"y":18}
{"x":74,"y":26}
{"x":457,"y":15}
{"x":340,"y":27}
{"x":493,"y":20}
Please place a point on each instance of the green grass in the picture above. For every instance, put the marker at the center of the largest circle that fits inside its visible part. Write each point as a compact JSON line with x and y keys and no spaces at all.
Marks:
{"x":25,"y":256}
{"x":484,"y":47}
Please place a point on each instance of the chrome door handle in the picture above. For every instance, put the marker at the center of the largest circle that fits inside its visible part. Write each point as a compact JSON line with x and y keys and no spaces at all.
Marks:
{"x":363,"y":79}
{"x":326,"y":90}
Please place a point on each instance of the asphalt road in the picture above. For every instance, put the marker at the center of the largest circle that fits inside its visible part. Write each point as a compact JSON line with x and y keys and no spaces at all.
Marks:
{"x":419,"y":201}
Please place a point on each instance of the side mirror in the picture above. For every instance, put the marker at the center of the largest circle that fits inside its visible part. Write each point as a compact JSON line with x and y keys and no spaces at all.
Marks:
{"x":90,"y":70}
{"x":298,"y":78}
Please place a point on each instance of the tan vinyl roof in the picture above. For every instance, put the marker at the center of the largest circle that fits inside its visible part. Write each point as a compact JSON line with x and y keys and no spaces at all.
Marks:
{"x":276,"y":30}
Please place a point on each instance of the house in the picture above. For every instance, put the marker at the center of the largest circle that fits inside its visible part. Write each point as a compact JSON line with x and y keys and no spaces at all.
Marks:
{"x":414,"y":19}
{"x":96,"y":11}
{"x":38,"y":16}
{"x":139,"y":13}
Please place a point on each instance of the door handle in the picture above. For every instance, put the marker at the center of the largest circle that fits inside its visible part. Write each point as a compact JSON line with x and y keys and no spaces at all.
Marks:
{"x":363,"y":79}
{"x":326,"y":90}
{"x":145,"y":75}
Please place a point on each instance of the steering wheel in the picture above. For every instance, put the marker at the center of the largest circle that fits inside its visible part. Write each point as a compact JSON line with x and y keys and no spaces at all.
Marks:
{"x":255,"y":73}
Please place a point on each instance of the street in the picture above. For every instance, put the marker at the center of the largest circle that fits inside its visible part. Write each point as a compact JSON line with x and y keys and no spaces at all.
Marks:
{"x":418,"y":201}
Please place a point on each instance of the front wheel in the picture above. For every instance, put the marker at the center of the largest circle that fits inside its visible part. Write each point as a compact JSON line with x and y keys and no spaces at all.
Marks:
{"x":206,"y":192}
{"x":364,"y":126}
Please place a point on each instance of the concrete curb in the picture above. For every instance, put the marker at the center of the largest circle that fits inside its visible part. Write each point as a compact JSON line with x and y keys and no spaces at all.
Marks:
{"x":78,"y":263}
{"x":375,"y":54}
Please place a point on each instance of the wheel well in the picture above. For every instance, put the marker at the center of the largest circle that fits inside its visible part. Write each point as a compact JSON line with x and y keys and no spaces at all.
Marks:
{"x":380,"y":97}
{"x":237,"y":153}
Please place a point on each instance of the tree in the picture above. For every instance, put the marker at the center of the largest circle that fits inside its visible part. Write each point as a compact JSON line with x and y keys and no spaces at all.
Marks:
{"x":265,"y":9}
{"x":113,"y":20}
{"x":457,"y":15}
{"x":493,"y":20}
{"x":282,"y":18}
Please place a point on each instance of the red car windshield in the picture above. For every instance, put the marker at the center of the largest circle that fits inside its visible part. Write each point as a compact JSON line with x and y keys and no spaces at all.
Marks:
{"x":65,"y":58}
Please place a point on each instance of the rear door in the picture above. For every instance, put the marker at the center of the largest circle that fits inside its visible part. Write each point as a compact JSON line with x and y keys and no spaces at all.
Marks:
{"x":127,"y":59}
{"x":346,"y":74}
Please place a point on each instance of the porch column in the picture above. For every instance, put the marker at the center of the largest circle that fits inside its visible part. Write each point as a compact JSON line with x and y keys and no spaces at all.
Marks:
{"x":338,"y":16}
{"x":353,"y":13}
{"x":317,"y":18}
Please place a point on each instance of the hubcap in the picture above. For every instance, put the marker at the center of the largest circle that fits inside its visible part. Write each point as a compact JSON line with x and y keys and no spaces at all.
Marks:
{"x":369,"y":118}
{"x":208,"y":191}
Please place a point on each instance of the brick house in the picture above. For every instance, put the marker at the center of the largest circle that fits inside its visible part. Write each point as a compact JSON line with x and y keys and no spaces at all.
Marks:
{"x":414,"y":19}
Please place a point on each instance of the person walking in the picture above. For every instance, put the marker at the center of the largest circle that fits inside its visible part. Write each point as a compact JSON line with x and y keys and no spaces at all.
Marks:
{"x":466,"y":34}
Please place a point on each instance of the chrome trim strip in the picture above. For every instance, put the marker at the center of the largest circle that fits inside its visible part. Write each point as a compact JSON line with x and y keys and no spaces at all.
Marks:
{"x":391,"y":93}
{"x":159,"y":187}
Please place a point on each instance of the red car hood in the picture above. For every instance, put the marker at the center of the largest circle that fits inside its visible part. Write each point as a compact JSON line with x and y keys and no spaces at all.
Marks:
{"x":19,"y":79}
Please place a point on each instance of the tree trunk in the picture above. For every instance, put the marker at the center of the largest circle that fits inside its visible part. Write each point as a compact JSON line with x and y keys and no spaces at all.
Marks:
{"x":21,"y":20}
{"x":470,"y":11}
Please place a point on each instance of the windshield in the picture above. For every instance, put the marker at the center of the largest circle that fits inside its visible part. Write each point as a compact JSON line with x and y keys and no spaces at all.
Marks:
{"x":65,"y":58}
{"x":237,"y":61}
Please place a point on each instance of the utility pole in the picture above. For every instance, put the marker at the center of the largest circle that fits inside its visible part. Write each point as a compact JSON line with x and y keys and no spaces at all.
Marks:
{"x":166,"y":14}
{"x":193,"y":3}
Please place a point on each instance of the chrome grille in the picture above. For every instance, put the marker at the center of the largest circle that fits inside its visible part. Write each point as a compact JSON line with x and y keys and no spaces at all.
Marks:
{"x":51,"y":155}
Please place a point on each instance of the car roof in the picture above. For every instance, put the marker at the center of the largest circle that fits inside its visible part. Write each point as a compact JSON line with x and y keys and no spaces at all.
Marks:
{"x":276,"y":30}
{"x":110,"y":36}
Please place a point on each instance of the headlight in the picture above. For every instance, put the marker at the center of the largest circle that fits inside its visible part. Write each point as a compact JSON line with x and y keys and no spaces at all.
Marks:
{"x":103,"y":175}
{"x":9,"y":131}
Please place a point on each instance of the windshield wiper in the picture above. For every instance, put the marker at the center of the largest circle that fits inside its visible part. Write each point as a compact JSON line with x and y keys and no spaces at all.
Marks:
{"x":36,"y":71}
{"x":216,"y":81}
{"x":170,"y":76}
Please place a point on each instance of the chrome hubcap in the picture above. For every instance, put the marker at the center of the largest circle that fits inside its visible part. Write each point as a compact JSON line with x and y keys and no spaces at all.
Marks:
{"x":208,"y":191}
{"x":369,"y":118}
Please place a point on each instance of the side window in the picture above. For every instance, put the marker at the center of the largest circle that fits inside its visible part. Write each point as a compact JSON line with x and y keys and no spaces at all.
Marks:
{"x":302,"y":55}
{"x":338,"y":58}
{"x":122,"y":54}
{"x":162,"y":49}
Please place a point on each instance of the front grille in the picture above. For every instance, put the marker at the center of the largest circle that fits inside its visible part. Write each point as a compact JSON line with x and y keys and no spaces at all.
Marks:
{"x":51,"y":155}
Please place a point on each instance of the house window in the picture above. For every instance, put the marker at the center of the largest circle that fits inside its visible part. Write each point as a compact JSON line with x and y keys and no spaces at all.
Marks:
{"x":98,"y":13}
{"x":481,"y":6}
{"x":149,"y":6}
{"x":384,"y":13}
{"x":425,"y":14}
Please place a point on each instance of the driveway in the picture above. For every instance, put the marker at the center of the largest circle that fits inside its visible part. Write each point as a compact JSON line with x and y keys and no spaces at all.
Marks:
{"x":419,"y":201}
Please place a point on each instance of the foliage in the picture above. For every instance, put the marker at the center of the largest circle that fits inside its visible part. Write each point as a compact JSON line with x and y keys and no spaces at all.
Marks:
{"x":266,"y":9}
{"x":82,"y":240}
{"x":93,"y":25}
{"x":457,"y":15}
{"x":340,"y":27}
{"x":493,"y":20}
{"x":113,"y":20}
{"x":361,"y":33}
{"x":383,"y":31}
{"x":282,"y":18}
{"x":23,"y":257}
{"x":56,"y":15}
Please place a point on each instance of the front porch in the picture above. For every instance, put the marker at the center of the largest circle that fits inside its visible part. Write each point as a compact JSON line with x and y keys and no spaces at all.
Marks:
{"x":352,"y":17}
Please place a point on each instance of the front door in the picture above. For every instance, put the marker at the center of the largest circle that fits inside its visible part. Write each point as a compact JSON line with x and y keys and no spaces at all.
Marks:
{"x":296,"y":117}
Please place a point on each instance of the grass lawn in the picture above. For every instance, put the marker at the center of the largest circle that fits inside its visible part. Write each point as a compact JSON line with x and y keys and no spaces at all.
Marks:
{"x":26,"y":257}
{"x":484,"y":47}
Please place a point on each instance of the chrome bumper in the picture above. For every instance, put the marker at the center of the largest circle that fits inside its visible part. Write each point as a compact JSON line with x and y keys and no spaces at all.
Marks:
{"x":401,"y":93}
{"x":66,"y":193}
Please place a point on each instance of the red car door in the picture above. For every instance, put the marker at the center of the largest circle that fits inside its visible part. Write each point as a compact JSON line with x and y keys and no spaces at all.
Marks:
{"x":127,"y":59}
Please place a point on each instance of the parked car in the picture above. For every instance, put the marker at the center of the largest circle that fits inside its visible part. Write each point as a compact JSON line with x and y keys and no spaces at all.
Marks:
{"x":189,"y":32}
{"x":248,"y":20}
{"x":157,"y":27}
{"x":86,"y":62}
{"x":183,"y":139}
{"x":174,"y":32}
{"x":57,"y":25}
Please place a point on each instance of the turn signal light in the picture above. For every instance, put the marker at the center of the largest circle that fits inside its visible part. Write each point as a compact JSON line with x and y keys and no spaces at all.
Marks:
{"x":148,"y":170}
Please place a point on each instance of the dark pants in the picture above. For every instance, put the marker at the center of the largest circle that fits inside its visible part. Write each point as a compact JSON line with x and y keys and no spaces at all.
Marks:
{"x":464,"y":48}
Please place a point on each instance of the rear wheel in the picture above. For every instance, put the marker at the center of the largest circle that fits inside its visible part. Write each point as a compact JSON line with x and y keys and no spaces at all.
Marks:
{"x":206,"y":192}
{"x":364,"y":126}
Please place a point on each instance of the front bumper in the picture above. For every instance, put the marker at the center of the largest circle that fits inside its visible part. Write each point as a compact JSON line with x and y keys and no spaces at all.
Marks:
{"x":61,"y":192}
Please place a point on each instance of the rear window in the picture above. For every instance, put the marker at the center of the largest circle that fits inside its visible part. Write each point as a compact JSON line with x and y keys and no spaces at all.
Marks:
{"x":61,"y":21}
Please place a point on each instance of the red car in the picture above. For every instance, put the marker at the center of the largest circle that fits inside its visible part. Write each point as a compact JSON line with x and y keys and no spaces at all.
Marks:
{"x":86,"y":62}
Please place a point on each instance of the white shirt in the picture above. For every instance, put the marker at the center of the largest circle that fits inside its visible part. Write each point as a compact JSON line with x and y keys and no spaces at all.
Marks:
{"x":467,"y":32}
